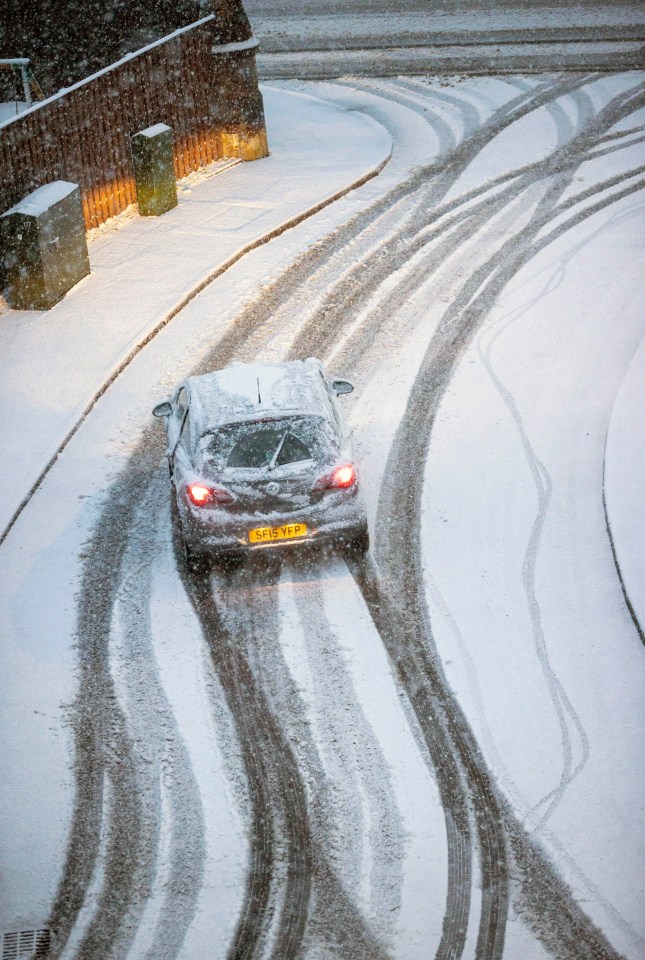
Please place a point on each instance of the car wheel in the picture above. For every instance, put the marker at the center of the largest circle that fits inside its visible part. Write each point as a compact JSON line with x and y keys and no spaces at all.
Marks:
{"x":359,"y":544}
{"x":228,"y":561}
{"x":196,"y":563}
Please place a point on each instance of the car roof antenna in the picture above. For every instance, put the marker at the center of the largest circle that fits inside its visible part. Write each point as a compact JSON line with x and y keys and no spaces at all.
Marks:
{"x":259,"y":397}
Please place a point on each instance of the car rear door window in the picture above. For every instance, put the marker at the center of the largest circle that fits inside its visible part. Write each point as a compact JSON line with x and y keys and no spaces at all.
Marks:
{"x":181,"y":404}
{"x":186,"y":434}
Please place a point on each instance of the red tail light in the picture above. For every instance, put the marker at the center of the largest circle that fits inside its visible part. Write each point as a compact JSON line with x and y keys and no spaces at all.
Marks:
{"x":343,"y":476}
{"x":340,"y":479}
{"x":200,"y":494}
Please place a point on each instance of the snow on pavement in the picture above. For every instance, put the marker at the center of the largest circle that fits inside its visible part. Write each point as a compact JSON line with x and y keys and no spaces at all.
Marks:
{"x":476,"y":458}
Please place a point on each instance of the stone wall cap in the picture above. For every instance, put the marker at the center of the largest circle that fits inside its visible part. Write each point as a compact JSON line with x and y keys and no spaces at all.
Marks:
{"x":42,"y":198}
{"x":154,"y":130}
{"x":235,"y":47}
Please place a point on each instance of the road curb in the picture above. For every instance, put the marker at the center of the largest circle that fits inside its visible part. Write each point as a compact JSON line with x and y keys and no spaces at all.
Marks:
{"x":621,"y":458}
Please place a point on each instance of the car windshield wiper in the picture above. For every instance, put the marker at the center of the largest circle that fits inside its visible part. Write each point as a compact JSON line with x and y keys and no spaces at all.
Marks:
{"x":277,"y":452}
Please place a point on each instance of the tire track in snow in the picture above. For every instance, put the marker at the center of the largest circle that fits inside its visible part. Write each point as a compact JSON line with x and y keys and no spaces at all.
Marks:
{"x":280,"y":819}
{"x":415,"y":672}
{"x":108,"y":762}
{"x":74,"y":880}
{"x":221,"y":358}
{"x":360,"y":281}
{"x":103,"y":755}
{"x":289,"y":866}
{"x":563,"y":707}
{"x":398,"y":515}
{"x":452,"y":237}
{"x":565,"y":127}
{"x":466,"y":222}
{"x":249,"y":609}
{"x":470,"y":115}
{"x":473,"y":679}
{"x":151,"y":722}
{"x":277,"y":296}
{"x":357,"y":759}
{"x":386,"y":91}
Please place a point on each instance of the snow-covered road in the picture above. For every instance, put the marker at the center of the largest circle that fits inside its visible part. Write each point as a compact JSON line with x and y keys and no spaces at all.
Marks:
{"x":375,"y":38}
{"x":431,"y":753}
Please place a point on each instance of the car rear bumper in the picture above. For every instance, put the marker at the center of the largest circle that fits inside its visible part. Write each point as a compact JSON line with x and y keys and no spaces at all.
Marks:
{"x":215,"y":531}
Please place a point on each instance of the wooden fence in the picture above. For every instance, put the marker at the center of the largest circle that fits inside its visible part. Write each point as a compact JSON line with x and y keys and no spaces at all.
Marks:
{"x":82,"y":134}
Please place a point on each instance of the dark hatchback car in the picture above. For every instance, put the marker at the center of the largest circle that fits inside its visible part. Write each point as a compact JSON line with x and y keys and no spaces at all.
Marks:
{"x":260,"y":456}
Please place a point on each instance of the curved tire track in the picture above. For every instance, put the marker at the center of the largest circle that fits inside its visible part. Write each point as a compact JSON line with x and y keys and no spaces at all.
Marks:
{"x":398,"y":602}
{"x":490,"y":939}
{"x":288,"y":865}
{"x":280,"y":814}
{"x":92,"y":620}
{"x":542,"y":481}
{"x":107,"y":762}
{"x":247,"y":604}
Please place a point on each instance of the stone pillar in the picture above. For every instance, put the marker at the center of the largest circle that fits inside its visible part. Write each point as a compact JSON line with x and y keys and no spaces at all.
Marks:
{"x":154,"y":172}
{"x":237,"y":107}
{"x":45,"y":250}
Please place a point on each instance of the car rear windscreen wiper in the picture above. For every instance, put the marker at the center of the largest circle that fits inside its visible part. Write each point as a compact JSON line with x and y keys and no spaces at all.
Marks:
{"x":277,"y":452}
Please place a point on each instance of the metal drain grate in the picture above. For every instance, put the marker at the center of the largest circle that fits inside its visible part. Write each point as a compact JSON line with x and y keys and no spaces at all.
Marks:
{"x":26,"y":945}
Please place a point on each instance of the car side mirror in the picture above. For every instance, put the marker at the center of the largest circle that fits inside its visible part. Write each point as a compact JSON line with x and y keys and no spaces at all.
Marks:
{"x":342,"y":386}
{"x":162,"y":409}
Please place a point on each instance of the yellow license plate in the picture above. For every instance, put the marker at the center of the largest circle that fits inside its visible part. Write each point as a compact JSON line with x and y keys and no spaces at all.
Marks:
{"x":286,"y":532}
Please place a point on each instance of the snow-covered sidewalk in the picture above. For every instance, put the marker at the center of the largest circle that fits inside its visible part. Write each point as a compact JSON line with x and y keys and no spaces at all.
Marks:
{"x":54,"y":363}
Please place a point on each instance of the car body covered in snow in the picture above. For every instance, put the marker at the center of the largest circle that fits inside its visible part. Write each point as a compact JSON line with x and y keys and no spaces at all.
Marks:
{"x":260,"y":456}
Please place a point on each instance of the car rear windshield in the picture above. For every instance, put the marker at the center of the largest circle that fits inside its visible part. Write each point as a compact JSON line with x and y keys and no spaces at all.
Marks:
{"x":267,"y":444}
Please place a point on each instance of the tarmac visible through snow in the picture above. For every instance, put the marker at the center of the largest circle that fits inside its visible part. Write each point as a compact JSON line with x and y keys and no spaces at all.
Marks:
{"x":332,"y":39}
{"x":277,"y":761}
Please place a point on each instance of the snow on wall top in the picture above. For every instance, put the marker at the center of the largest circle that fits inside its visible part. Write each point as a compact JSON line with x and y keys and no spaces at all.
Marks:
{"x":236,"y":47}
{"x":12,"y":108}
{"x":42,"y":198}
{"x":154,"y":130}
{"x":112,"y":66}
{"x":248,"y":390}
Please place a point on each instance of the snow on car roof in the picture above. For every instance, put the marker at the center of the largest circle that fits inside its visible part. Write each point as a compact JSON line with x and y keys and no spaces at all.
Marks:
{"x":244,"y":391}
